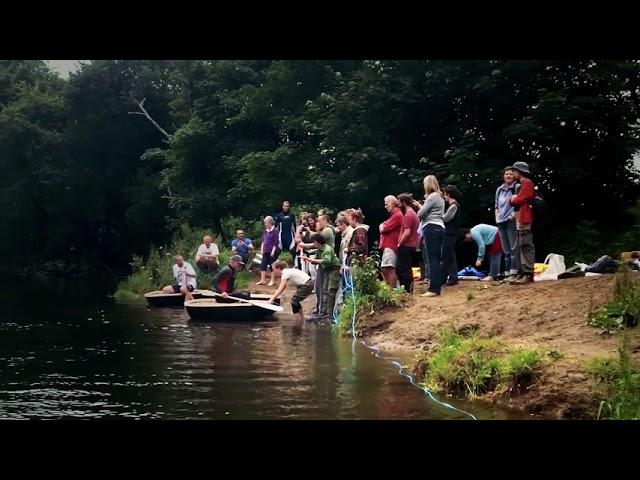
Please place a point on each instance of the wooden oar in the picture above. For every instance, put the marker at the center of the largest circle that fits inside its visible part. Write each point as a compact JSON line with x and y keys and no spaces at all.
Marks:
{"x":266,"y":305}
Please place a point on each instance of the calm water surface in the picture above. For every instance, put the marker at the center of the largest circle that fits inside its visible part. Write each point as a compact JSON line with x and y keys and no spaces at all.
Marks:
{"x":69,"y":351}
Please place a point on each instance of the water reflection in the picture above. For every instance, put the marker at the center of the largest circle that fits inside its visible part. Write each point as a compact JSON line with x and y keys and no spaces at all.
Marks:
{"x":92,"y":358}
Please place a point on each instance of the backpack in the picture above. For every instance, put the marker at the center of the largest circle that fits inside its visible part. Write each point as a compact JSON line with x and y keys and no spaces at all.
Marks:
{"x":538,"y":205}
{"x":605,"y":264}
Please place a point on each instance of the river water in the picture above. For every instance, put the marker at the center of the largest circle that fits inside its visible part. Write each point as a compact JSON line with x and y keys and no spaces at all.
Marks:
{"x":67,"y":350}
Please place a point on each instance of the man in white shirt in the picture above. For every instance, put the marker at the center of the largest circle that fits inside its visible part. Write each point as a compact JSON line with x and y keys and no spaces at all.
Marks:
{"x":185,"y":277}
{"x":207,"y":255}
{"x":301,"y":280}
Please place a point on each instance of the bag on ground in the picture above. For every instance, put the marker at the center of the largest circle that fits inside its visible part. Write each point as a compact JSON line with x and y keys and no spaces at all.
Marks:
{"x":555,"y":268}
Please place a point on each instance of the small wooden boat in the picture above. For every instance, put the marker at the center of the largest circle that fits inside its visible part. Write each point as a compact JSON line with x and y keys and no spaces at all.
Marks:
{"x":254,"y":296}
{"x":211,"y":310}
{"x":160,"y":299}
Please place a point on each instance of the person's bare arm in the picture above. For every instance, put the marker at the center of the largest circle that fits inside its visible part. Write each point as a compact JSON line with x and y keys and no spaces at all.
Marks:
{"x":404,"y":235}
{"x":315,"y":261}
{"x":283,"y":285}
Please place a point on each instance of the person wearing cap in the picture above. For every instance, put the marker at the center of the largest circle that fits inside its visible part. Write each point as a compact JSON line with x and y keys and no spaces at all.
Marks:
{"x":521,"y":201}
{"x":224,"y":281}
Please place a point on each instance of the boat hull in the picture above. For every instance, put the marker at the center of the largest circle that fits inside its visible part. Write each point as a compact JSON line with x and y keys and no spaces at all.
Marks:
{"x":207,"y":309}
{"x":159,"y":299}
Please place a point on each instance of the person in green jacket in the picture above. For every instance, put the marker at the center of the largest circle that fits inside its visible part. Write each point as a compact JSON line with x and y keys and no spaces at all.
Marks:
{"x":329,"y":262}
{"x":324,"y":228}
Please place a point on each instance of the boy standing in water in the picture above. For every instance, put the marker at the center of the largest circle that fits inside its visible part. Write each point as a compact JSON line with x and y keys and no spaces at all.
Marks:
{"x":298,"y":278}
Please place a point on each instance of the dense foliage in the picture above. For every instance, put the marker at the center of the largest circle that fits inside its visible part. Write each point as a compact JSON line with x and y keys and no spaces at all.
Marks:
{"x":85,"y":178}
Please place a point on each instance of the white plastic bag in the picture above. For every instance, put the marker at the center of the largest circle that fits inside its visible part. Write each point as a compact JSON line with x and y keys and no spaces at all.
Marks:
{"x":556,"y":267}
{"x":583,"y":266}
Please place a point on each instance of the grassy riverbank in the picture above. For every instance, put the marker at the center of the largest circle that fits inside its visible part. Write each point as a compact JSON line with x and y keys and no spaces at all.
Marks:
{"x":541,"y":348}
{"x":155,"y":271}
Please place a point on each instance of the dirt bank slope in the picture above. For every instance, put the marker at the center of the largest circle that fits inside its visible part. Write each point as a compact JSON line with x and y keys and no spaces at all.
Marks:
{"x":548,"y":316}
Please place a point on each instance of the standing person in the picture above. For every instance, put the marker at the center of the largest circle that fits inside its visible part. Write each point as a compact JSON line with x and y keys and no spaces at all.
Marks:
{"x":338,"y":234}
{"x":488,"y":242}
{"x":185,"y":277}
{"x":431,"y":215}
{"x":329,"y":264}
{"x":299,"y":279}
{"x":389,"y":235}
{"x":285,"y":223}
{"x":343,"y":224}
{"x":311,"y":220}
{"x":525,"y":249}
{"x":408,"y":241}
{"x":268,"y":249}
{"x":451,"y":220}
{"x":424,"y":265}
{"x":506,"y":220}
{"x":306,"y":248}
{"x":325,"y":228}
{"x":323,"y":225}
{"x":242,"y":246}
{"x":207,"y":255}
{"x":359,"y":244}
{"x":303,"y":237}
{"x":304,"y":226}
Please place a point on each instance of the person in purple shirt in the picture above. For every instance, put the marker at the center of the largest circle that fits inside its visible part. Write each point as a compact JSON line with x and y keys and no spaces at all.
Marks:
{"x":269,"y":250}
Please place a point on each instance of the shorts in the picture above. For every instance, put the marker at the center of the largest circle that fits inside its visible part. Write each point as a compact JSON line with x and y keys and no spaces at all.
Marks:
{"x":267,"y":260}
{"x":302,"y":292}
{"x":208,"y":265}
{"x":389,"y":258}
{"x":176,"y":288}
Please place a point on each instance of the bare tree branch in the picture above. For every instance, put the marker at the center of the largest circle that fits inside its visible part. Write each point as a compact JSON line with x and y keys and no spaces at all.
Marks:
{"x":143,"y":111}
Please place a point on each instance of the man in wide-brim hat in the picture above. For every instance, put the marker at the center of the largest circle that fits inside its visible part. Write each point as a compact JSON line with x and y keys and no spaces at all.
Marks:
{"x":525,"y":249}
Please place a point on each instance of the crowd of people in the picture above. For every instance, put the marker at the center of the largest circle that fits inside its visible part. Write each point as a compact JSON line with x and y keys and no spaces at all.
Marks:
{"x":321,"y":248}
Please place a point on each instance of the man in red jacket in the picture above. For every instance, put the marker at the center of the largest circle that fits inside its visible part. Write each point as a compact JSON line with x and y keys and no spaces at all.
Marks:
{"x":525,"y":249}
{"x":389,"y":235}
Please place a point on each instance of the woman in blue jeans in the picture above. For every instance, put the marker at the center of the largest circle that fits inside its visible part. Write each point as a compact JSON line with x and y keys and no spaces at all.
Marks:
{"x":432,"y":225}
{"x":506,"y":220}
